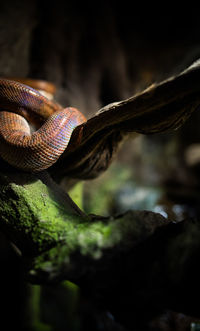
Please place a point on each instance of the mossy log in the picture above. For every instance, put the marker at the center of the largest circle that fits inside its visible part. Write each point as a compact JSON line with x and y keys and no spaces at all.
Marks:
{"x":43,"y":222}
{"x":139,"y":256}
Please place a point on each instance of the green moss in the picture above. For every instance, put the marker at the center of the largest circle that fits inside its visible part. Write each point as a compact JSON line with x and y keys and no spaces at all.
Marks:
{"x":32,"y":210}
{"x":39,"y":223}
{"x":89,"y":239}
{"x":42,"y":202}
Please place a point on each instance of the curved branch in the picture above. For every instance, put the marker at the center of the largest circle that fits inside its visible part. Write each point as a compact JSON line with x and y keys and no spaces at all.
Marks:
{"x":160,"y":108}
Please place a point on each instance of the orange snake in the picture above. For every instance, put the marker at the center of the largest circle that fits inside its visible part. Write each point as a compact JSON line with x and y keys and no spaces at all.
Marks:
{"x":35,"y":151}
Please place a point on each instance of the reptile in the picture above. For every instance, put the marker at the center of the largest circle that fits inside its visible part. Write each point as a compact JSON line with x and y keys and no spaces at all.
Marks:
{"x":21,"y":105}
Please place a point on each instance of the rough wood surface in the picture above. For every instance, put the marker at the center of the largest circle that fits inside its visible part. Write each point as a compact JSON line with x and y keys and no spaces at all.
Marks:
{"x":160,"y":108}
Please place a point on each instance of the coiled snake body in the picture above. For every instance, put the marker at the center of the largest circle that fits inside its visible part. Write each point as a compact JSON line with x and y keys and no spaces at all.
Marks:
{"x":38,"y":150}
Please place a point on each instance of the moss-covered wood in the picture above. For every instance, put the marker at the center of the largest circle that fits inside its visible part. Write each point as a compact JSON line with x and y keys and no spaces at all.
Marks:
{"x":41,"y":225}
{"x":138,"y":256}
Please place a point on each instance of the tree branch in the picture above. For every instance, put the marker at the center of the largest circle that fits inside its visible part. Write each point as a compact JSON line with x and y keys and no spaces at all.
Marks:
{"x":161,"y":107}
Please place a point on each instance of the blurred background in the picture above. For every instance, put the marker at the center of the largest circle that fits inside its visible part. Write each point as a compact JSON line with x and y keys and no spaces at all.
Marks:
{"x":97,"y":53}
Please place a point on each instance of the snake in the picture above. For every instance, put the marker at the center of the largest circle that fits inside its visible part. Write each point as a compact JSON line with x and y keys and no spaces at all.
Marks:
{"x":21,"y":105}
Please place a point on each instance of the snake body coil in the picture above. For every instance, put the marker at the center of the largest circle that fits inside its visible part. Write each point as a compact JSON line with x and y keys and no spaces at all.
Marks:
{"x":38,"y":150}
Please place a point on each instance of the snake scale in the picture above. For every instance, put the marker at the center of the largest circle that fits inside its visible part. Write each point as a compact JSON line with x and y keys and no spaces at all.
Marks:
{"x":38,"y":150}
